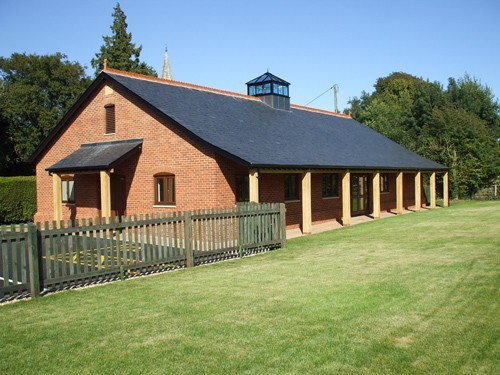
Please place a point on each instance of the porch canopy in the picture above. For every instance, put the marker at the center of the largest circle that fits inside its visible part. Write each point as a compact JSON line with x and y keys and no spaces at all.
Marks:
{"x":97,"y":156}
{"x":93,"y":157}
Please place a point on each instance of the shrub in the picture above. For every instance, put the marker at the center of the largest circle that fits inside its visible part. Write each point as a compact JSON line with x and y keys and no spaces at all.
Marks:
{"x":17,"y":199}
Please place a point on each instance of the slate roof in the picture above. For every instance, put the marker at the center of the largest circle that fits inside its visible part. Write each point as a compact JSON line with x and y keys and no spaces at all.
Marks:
{"x":268,"y":77}
{"x":256,"y":135}
{"x":97,"y":156}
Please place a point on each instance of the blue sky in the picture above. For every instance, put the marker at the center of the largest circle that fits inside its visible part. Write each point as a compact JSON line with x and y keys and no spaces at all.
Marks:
{"x":311,"y":44}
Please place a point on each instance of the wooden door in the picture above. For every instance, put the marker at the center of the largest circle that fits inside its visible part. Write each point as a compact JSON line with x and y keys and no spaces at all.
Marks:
{"x":359,"y":194}
{"x":118,"y":195}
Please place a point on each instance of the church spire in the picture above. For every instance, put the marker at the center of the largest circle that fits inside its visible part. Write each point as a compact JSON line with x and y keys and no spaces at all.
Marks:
{"x":166,"y":72}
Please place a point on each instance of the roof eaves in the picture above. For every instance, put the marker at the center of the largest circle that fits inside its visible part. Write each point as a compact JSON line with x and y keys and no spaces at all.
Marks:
{"x":137,"y":146}
{"x":442,"y":168}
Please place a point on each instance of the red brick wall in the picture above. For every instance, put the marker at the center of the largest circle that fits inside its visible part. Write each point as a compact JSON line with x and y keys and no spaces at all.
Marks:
{"x":203,"y":179}
{"x":271,"y":189}
{"x":198,"y":177}
{"x":325,"y":209}
{"x":388,"y":200}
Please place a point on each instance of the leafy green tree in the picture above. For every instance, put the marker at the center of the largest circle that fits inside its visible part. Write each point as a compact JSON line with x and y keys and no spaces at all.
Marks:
{"x":468,"y":93}
{"x":118,"y":49}
{"x":388,"y":117}
{"x":358,"y":106}
{"x":5,"y":144}
{"x":463,"y":142}
{"x":399,"y":107}
{"x":457,"y":127}
{"x":36,"y":91}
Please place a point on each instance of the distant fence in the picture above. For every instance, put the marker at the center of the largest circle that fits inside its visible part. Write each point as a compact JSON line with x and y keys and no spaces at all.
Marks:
{"x":35,"y":260}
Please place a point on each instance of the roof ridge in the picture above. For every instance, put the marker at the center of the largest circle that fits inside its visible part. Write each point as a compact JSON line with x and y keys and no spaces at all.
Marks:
{"x":178,"y":83}
{"x":319,"y":110}
{"x":213,"y":90}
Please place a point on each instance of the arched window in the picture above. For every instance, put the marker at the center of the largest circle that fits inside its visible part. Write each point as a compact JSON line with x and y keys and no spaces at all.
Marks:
{"x":164,"y":189}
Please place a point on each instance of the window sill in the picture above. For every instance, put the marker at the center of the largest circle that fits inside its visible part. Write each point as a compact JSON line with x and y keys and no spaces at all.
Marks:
{"x":384,"y":192}
{"x":163,"y":206}
{"x":293,"y":201}
{"x":68,"y":204}
{"x":328,"y":198}
{"x":110,"y":133}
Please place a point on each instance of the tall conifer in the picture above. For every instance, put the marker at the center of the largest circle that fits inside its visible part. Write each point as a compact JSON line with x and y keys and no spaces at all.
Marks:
{"x":118,"y":49}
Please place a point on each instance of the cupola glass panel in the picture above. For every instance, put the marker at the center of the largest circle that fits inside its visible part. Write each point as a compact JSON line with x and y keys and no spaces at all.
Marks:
{"x":267,"y":84}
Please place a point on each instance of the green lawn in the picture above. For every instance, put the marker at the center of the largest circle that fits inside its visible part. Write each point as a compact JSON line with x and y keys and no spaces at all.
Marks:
{"x":412,"y":294}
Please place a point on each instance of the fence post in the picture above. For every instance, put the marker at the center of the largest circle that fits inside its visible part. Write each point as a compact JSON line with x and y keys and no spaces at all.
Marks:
{"x":188,"y":239}
{"x":283,"y":224}
{"x":34,"y":259}
{"x":238,"y":225}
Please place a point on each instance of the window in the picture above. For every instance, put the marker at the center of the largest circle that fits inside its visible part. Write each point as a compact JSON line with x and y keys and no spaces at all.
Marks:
{"x":242,"y":189}
{"x":384,"y":183}
{"x":165,"y":189}
{"x":280,"y":89}
{"x":291,"y":187}
{"x":330,"y":185}
{"x":268,"y":88}
{"x":110,"y":119}
{"x":68,"y":190}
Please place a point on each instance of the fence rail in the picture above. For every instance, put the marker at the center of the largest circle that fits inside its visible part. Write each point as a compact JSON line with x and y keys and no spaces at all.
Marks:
{"x":36,"y":259}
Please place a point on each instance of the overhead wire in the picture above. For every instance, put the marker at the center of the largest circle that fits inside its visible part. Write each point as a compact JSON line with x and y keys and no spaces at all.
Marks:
{"x":319,"y":96}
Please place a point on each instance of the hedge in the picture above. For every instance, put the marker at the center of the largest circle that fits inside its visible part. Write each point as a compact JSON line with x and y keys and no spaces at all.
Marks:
{"x":17,"y":199}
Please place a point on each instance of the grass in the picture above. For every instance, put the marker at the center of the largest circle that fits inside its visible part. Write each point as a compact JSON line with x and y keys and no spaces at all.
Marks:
{"x":410,"y":294}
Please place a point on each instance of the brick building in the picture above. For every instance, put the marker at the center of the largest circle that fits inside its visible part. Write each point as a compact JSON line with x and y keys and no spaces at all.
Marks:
{"x":135,"y":144}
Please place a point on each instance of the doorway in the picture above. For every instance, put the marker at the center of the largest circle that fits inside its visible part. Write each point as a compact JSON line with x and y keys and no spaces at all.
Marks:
{"x":118,"y":195}
{"x":359,"y":194}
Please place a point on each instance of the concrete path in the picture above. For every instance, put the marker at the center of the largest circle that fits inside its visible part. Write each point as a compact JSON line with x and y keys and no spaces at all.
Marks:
{"x":331,"y":225}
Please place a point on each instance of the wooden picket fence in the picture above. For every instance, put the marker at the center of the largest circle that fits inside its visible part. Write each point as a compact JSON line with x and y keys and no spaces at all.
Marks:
{"x":36,"y":259}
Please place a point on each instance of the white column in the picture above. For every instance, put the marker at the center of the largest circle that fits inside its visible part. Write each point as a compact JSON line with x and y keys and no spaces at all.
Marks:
{"x":432,"y":188}
{"x":57,"y":197}
{"x":346,"y":198}
{"x":253,"y":180}
{"x":399,"y":193}
{"x":306,"y":203}
{"x":418,"y":191}
{"x":376,"y":194}
{"x":446,"y":199}
{"x":105,"y":194}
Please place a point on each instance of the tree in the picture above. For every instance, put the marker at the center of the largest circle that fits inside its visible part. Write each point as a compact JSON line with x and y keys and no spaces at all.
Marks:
{"x":36,"y":91}
{"x":463,"y":142}
{"x":399,"y":108}
{"x":468,"y":93}
{"x":457,"y":127}
{"x":118,"y":49}
{"x":5,"y":145}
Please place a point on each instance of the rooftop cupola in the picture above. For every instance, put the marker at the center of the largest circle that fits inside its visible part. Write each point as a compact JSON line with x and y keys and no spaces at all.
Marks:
{"x":271,"y":90}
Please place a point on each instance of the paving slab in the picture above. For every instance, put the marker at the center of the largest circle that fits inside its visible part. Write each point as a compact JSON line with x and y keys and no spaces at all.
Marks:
{"x":332,"y":225}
